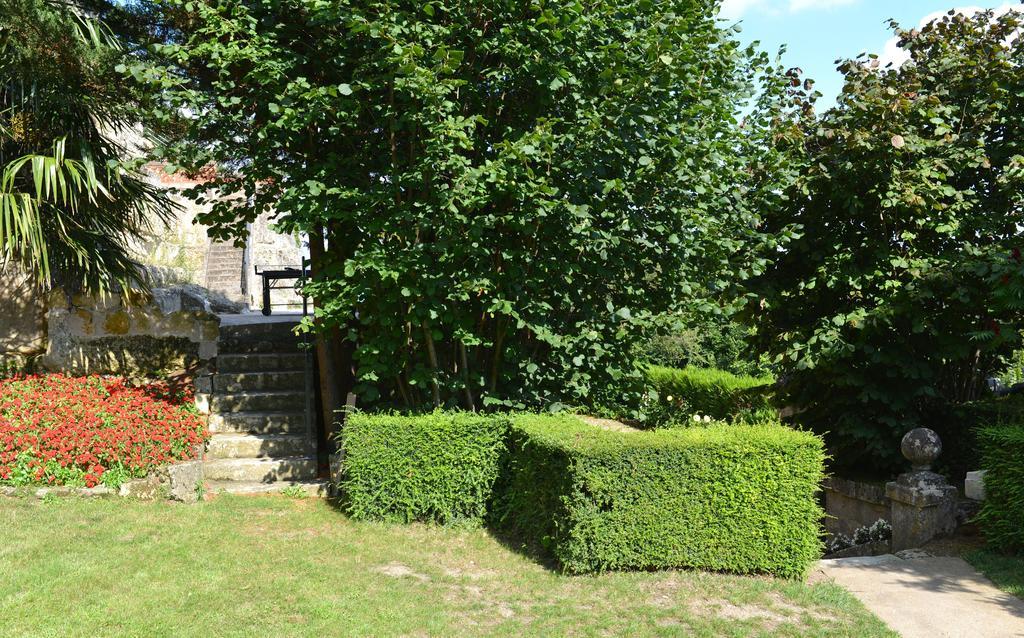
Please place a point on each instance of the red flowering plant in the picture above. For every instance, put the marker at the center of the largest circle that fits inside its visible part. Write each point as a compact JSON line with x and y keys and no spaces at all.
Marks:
{"x":62,"y":430}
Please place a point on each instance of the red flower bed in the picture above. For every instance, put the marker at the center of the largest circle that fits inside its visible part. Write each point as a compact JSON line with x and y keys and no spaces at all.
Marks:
{"x":62,"y":430}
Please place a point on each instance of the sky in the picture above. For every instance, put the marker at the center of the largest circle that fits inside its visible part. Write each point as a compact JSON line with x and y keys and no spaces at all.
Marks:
{"x":817,"y":32}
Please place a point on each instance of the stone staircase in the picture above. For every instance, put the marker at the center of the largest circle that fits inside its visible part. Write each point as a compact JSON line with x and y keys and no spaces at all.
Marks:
{"x":225,"y":266}
{"x":259,"y":401}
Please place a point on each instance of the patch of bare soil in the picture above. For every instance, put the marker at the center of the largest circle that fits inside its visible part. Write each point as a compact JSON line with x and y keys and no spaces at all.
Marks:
{"x":398,"y":570}
{"x":608,"y":424}
{"x":776,"y":611}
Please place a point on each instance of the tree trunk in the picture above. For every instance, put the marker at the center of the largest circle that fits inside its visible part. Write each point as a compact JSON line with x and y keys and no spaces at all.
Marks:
{"x":327,"y":352}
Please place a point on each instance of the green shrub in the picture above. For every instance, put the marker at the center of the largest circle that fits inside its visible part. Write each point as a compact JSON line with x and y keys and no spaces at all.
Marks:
{"x":1002,"y":511}
{"x":734,"y":498}
{"x":683,"y":393}
{"x":958,"y":427}
{"x":701,"y":339}
{"x":438,"y":467}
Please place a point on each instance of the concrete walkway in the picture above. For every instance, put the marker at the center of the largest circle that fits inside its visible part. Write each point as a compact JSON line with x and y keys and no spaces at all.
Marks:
{"x":930,"y":596}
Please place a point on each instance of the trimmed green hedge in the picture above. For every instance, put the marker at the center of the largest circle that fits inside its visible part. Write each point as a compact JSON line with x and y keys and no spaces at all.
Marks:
{"x":721,"y":395}
{"x":1002,"y":512}
{"x":734,"y":498}
{"x":437,"y":467}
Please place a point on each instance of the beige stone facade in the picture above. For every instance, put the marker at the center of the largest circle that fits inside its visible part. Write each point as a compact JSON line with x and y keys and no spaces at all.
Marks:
{"x":180,"y":251}
{"x":172,"y":331}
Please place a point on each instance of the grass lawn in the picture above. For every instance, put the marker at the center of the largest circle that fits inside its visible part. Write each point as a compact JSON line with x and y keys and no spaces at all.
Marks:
{"x":240,"y":566}
{"x":1006,"y":572}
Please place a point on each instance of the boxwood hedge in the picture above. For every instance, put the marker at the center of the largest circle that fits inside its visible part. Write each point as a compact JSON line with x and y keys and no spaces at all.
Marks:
{"x":1002,"y":512}
{"x":733,"y":498}
{"x":438,"y":467}
{"x":684,"y":392}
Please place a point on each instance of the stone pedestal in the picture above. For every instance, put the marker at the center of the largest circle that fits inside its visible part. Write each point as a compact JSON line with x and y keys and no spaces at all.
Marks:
{"x":923,"y":502}
{"x":923,"y":508}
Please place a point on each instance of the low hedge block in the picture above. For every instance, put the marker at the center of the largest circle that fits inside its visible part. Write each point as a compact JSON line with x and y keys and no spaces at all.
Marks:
{"x":1002,"y":512}
{"x":438,"y":467}
{"x":721,"y":395}
{"x":737,"y":498}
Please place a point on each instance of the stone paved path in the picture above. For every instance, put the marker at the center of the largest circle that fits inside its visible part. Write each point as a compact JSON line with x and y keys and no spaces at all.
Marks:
{"x":929,"y":597}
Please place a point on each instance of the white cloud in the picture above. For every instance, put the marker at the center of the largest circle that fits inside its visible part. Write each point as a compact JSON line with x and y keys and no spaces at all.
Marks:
{"x":893,"y":54}
{"x":800,"y":5}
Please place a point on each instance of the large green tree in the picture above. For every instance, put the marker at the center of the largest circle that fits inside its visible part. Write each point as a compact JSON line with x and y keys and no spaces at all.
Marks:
{"x":499,"y":195}
{"x":71,"y":201}
{"x":894,"y":297}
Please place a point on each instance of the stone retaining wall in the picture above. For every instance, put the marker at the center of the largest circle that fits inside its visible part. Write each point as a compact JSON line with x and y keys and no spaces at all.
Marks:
{"x":171,"y":331}
{"x":853,"y":504}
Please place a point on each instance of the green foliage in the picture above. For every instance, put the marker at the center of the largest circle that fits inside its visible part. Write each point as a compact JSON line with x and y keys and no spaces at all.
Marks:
{"x":736,"y":498}
{"x":958,"y":428}
{"x":71,"y":203}
{"x":508,"y":192}
{"x":1002,"y":512}
{"x":438,"y":467}
{"x":900,"y":284}
{"x":703,"y":340}
{"x":688,"y":392}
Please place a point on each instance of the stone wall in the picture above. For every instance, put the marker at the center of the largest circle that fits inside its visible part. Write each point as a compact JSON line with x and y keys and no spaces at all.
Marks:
{"x":270,"y":248}
{"x":22,"y":323}
{"x":171,"y":331}
{"x":853,"y":504}
{"x":175,"y":250}
{"x":178,"y":251}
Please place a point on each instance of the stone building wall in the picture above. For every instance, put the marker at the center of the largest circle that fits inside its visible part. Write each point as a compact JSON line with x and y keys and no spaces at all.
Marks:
{"x":179,"y":251}
{"x":269,"y":248}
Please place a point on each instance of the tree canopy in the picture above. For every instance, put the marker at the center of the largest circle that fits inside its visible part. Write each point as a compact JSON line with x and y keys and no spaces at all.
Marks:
{"x":499,"y":195}
{"x":893,"y":295}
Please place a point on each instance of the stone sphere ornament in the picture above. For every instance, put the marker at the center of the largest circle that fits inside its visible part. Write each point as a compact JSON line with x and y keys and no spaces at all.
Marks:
{"x":921,"y":446}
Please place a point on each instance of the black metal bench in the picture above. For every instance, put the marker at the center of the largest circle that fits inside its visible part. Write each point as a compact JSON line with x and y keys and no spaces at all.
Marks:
{"x":273,"y":275}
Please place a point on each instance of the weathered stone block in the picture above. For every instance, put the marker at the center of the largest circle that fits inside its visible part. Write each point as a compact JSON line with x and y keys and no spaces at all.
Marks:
{"x":150,"y":488}
{"x":206,"y":330}
{"x":186,"y":481}
{"x":207,"y":350}
{"x":117,"y":323}
{"x":204,"y":384}
{"x":923,"y":508}
{"x":974,"y":485}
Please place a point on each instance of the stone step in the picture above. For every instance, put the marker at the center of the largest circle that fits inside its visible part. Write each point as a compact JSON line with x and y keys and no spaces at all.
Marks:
{"x":259,"y":381}
{"x":266,"y":338}
{"x":294,"y":468}
{"x":217,"y":269}
{"x":306,"y":488}
{"x":251,"y":446}
{"x":258,"y":423}
{"x":234,"y":279}
{"x":257,"y":402}
{"x":261,"y":362}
